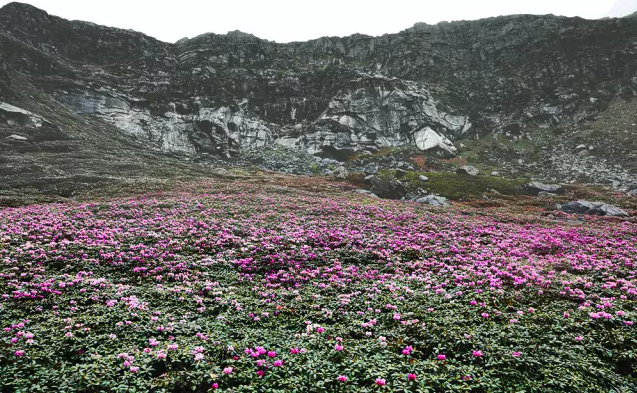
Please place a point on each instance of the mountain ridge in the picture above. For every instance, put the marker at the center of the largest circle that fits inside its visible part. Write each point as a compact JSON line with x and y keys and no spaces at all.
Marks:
{"x":519,"y":79}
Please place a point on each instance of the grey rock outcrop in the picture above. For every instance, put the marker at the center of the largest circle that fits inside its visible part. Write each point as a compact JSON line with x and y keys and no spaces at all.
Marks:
{"x":593,"y":208}
{"x":535,"y":188}
{"x":388,"y":188}
{"x":433,"y":200}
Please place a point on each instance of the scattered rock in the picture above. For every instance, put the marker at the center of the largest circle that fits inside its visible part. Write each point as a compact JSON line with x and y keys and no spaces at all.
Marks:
{"x":434,"y":200}
{"x":536,"y":187}
{"x":593,"y":208}
{"x":495,"y":173}
{"x":423,"y":178}
{"x":221,"y":172}
{"x":366,"y":192}
{"x":340,"y":173}
{"x":468,"y":170}
{"x":371,"y":169}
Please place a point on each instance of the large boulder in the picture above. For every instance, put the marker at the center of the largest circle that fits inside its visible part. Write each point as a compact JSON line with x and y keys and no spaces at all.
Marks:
{"x":536,"y":188}
{"x":593,"y":208}
{"x":434,"y":200}
{"x":388,"y":187}
{"x":468,"y":170}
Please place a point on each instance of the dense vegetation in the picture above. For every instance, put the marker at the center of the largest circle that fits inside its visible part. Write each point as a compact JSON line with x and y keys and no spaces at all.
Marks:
{"x":280,"y":289}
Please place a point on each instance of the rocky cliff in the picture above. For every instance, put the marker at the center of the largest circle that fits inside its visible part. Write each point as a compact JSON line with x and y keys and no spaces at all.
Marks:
{"x":520,"y":93}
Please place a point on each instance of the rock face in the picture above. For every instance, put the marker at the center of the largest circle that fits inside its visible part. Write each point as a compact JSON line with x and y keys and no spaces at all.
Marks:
{"x":593,"y":208}
{"x":429,"y":86}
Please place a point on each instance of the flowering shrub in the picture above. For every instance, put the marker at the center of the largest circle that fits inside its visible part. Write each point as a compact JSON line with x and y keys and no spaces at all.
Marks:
{"x":238,"y":287}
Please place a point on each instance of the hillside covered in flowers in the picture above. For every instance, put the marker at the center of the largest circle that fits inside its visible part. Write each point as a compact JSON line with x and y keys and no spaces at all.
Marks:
{"x":249,"y":287}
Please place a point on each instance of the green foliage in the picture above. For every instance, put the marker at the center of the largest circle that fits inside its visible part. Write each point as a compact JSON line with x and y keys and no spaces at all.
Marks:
{"x":463,"y":187}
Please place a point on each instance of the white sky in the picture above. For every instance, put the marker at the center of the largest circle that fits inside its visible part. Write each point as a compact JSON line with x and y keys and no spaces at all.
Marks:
{"x":300,"y":20}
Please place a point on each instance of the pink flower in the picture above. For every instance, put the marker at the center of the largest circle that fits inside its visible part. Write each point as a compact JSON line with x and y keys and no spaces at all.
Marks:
{"x":271,"y":354}
{"x":411,"y":377}
{"x":198,"y":357}
{"x":396,"y":317}
{"x":160,"y":355}
{"x":579,"y":338}
{"x":320,"y":330}
{"x":342,"y":378}
{"x":228,"y":370}
{"x":516,"y":354}
{"x":477,"y":354}
{"x":442,"y":357}
{"x":381,"y":382}
{"x":338,"y":347}
{"x":19,"y":353}
{"x":278,"y":363}
{"x":485,"y":315}
{"x":294,"y":351}
{"x":172,"y":347}
{"x":260,"y":373}
{"x":215,"y":385}
{"x":134,"y":369}
{"x":407,"y":350}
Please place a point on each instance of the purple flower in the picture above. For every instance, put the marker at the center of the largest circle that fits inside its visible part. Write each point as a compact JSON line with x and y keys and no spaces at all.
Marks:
{"x":381,"y":382}
{"x":516,"y":354}
{"x":411,"y":377}
{"x":442,"y":357}
{"x":342,"y":378}
{"x":477,"y":354}
{"x":19,"y":353}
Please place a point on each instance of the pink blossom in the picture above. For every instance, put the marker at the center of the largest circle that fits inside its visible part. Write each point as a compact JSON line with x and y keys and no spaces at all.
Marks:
{"x":342,"y":378}
{"x":516,"y":354}
{"x":228,"y":370}
{"x":381,"y":382}
{"x":442,"y":357}
{"x":477,"y":354}
{"x":411,"y":377}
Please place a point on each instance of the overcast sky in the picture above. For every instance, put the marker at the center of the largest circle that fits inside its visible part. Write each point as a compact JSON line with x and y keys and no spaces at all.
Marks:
{"x":300,"y":20}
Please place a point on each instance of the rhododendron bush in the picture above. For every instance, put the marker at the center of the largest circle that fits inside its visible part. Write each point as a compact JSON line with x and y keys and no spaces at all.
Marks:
{"x":243,"y":287}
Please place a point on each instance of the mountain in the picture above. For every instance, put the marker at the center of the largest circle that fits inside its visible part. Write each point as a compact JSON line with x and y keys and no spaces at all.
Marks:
{"x":541,"y":96}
